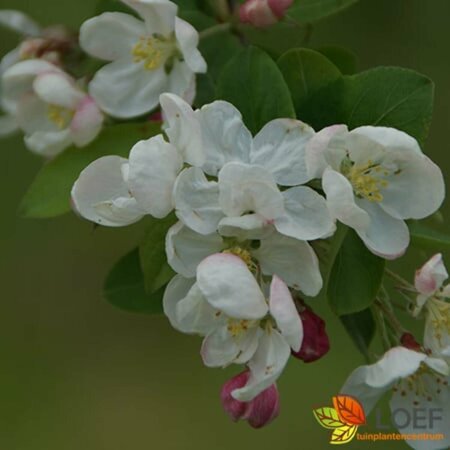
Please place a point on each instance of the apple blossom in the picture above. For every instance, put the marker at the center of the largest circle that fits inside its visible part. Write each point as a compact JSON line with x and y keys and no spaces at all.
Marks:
{"x":227,"y":305}
{"x":374,"y":179}
{"x":148,"y":57}
{"x":50,"y":107}
{"x":262,"y":13}
{"x":259,"y":411}
{"x":434,"y":297}
{"x":417,"y":381}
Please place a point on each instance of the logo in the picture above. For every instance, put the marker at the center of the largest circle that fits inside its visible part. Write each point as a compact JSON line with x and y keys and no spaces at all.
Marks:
{"x":344,"y":418}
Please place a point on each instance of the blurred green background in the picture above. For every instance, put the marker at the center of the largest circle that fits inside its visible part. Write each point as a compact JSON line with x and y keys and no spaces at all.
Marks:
{"x":78,"y":374}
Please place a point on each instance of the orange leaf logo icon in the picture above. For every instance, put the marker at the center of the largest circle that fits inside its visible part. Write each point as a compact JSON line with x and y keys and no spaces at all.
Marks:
{"x":349,"y":410}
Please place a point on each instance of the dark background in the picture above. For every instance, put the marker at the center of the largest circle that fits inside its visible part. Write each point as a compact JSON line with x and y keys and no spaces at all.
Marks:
{"x":77,"y":374}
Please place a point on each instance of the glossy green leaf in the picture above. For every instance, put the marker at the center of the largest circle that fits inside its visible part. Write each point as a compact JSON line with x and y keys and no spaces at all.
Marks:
{"x":124,"y":287}
{"x":385,"y":96}
{"x":313,"y":10}
{"x":361,"y":328}
{"x":426,"y":237}
{"x":254,"y":84}
{"x":355,"y":278}
{"x":342,"y":58}
{"x":306,"y":72}
{"x":49,"y":194}
{"x":152,"y":253}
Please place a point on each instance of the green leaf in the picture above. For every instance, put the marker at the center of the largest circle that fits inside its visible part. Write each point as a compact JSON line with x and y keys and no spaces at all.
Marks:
{"x":385,"y":96}
{"x":255,"y":85}
{"x":424,"y":236}
{"x":361,"y":328}
{"x":113,"y":6}
{"x":313,"y":10}
{"x":49,"y":194}
{"x":152,"y":253}
{"x":343,"y":59}
{"x":306,"y":72}
{"x":355,"y":277}
{"x":124,"y":287}
{"x":197,"y":19}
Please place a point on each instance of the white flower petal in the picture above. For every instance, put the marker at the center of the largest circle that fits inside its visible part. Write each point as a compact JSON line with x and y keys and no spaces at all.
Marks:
{"x":280,"y":148}
{"x":306,"y":215}
{"x":186,"y":249}
{"x":368,"y":383}
{"x":102,"y":183}
{"x":86,"y":123}
{"x":316,"y":148}
{"x":431,"y":276}
{"x":219,"y":348}
{"x":229,"y":286}
{"x":57,"y":88}
{"x":386,"y":237}
{"x":125,"y":89}
{"x":111,"y":35}
{"x":19,"y":22}
{"x":159,"y":15}
{"x":32,"y":115}
{"x":247,"y":227}
{"x":48,"y":143}
{"x":181,"y":81}
{"x":187,"y":38}
{"x":266,"y":365}
{"x":183,"y":128}
{"x":292,"y":260}
{"x":341,"y":201}
{"x":154,"y":167}
{"x":283,"y":310}
{"x":225,"y":137}
{"x":249,"y":189}
{"x":197,"y":201}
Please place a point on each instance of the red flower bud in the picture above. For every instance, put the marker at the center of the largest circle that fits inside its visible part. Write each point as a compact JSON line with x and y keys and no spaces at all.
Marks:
{"x":262,"y":13}
{"x":409,"y":341}
{"x":315,"y":342}
{"x":258,"y":412}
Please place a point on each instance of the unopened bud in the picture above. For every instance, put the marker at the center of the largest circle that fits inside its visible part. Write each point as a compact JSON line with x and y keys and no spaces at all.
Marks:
{"x":258,"y":412}
{"x":263,"y":13}
{"x":409,"y":341}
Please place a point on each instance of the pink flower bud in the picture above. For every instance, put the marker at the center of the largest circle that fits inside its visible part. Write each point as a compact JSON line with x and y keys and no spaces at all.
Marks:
{"x":409,"y":341}
{"x":315,"y":342}
{"x":430,"y":277}
{"x":262,"y":13}
{"x":258,"y":412}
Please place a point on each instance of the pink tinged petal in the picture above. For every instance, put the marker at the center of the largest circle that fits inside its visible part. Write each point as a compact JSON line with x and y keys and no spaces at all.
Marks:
{"x":430,"y":277}
{"x":316,"y":343}
{"x":58,"y":89}
{"x":257,"y":13}
{"x":154,"y":167}
{"x":183,"y":128}
{"x":306,"y":215}
{"x":229,"y":286}
{"x":197,"y":201}
{"x":125,"y":89}
{"x":292,"y":260}
{"x":234,"y":408}
{"x":280,"y":148}
{"x":280,"y":7}
{"x":86,"y":123}
{"x":341,"y":201}
{"x":245,"y":188}
{"x":283,"y":310}
{"x":48,"y":143}
{"x":225,"y":137}
{"x":386,"y":236}
{"x":111,"y":35}
{"x":101,"y":194}
{"x":188,"y":39}
{"x":159,"y":15}
{"x":316,"y":162}
{"x":185,"y":249}
{"x":265,"y":366}
{"x":19,"y":22}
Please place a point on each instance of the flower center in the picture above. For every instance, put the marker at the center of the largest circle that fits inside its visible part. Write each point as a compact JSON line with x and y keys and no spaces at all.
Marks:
{"x":154,"y":51}
{"x":59,"y":115}
{"x":243,"y":254}
{"x":439,"y":315}
{"x":366,"y":179}
{"x":237,"y":327}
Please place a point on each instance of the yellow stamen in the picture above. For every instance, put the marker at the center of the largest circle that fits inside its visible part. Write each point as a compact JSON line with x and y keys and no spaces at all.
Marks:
{"x":59,"y":115}
{"x":243,"y":254}
{"x":154,"y":51}
{"x":439,"y":317}
{"x":237,"y":327}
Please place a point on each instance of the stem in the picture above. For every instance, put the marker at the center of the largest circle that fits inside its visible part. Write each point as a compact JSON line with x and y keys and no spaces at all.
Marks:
{"x":216,"y":29}
{"x":390,"y":316}
{"x":396,"y":277}
{"x":381,"y":325}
